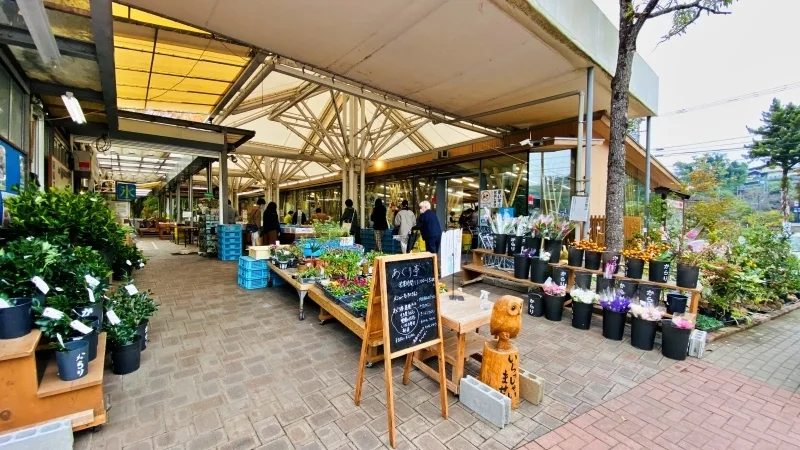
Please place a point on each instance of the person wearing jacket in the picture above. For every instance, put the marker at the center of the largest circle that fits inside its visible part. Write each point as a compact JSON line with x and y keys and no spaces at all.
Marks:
{"x":379,"y":223}
{"x":429,"y":227}
{"x":271,"y":224}
{"x":404,"y":220}
{"x":349,"y":215}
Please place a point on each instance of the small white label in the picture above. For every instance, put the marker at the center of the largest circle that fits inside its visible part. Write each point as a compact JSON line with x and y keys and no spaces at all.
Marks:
{"x":112,"y":317}
{"x":60,"y":340}
{"x":91,"y":295}
{"x":93,"y":199}
{"x":40,"y":284}
{"x":91,"y":281}
{"x":128,"y":262}
{"x":131,"y":289}
{"x":52,"y":313}
{"x":80,"y":327}
{"x":4,"y":303}
{"x":58,"y":289}
{"x":141,"y":264}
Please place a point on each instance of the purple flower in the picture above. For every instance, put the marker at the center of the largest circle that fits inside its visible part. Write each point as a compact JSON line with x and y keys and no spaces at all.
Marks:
{"x":619,"y":303}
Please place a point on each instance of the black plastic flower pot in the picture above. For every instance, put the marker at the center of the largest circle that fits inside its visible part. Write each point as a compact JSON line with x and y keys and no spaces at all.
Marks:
{"x":554,"y":247}
{"x":560,"y":276}
{"x":92,"y":310}
{"x":687,"y":276}
{"x":629,"y":288}
{"x":120,"y":272}
{"x":74,"y":362}
{"x":614,"y":324}
{"x":141,"y":330}
{"x":15,"y":321}
{"x":535,"y":305}
{"x":610,"y":257}
{"x":534,"y":244}
{"x":522,"y":266}
{"x":649,"y":293}
{"x":583,"y":280}
{"x":575,"y":257}
{"x":674,"y":341}
{"x":91,"y":338}
{"x":514,"y":244}
{"x":581,"y":315}
{"x":554,"y":307}
{"x":643,"y":333}
{"x":676,"y":303}
{"x":604,"y":284}
{"x":500,"y":243}
{"x":125,"y":359}
{"x":592,"y":260}
{"x":659,"y":271}
{"x":539,"y":270}
{"x":634,"y":268}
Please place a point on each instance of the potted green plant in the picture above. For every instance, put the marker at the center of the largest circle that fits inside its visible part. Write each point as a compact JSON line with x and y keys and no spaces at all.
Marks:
{"x":72,"y":358}
{"x":282,"y":257}
{"x":126,"y":347}
{"x":661,"y":263}
{"x":688,"y":270}
{"x":72,"y":355}
{"x":309,"y":275}
{"x":369,"y":260}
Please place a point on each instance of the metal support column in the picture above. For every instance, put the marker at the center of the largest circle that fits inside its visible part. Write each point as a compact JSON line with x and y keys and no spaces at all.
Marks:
{"x":178,"y":209}
{"x":589,"y":124}
{"x":191,"y":201}
{"x":581,"y":150}
{"x":647,"y":149}
{"x":223,"y":186}
{"x":210,"y":178}
{"x":344,"y":186}
{"x":363,"y":192}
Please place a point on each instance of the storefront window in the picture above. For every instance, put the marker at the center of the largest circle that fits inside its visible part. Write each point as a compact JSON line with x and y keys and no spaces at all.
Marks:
{"x":425,"y":190}
{"x":5,"y":101}
{"x":634,"y":192}
{"x":509,"y":173}
{"x":396,"y":192}
{"x":17,"y":111}
{"x":551,"y":177}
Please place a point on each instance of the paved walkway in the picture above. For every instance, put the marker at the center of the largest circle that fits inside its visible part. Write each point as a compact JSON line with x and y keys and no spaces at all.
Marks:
{"x":230,"y":368}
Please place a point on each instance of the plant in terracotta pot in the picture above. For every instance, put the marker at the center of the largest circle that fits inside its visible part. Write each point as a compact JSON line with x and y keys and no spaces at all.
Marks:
{"x":615,"y":311}
{"x":646,"y":316}
{"x":582,"y":306}
{"x":554,"y":296}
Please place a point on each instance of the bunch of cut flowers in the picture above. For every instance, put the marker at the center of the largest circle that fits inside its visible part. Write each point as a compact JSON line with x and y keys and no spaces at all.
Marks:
{"x":583,"y":296}
{"x":553,"y":289}
{"x":647,"y":311}
{"x":615,"y":302}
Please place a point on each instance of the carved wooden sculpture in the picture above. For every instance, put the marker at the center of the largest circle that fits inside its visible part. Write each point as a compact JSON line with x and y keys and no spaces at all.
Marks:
{"x":500,"y":367}
{"x":506,"y":320}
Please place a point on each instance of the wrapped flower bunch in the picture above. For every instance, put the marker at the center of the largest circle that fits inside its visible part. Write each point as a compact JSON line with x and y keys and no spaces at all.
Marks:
{"x":554,"y":290}
{"x":583,"y":296}
{"x":544,"y":256}
{"x":615,"y":302}
{"x":683,"y":322}
{"x":647,"y":311}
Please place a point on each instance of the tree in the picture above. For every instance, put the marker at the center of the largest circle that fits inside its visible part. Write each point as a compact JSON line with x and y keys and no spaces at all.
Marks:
{"x":731,"y":175}
{"x":632,"y":16}
{"x":779,"y":145}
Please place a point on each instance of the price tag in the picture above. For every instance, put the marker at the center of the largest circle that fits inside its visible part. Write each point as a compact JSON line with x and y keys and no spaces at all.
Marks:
{"x":60,"y":340}
{"x":141,"y":264}
{"x":58,"y":289}
{"x":40,"y":284}
{"x":80,"y":327}
{"x":52,"y":313}
{"x":91,"y":295}
{"x":131,"y":289}
{"x":112,"y":317}
{"x":128,"y":262}
{"x":4,"y":303}
{"x":91,"y":281}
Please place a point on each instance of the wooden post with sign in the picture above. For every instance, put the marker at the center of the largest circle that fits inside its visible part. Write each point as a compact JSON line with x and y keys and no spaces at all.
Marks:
{"x":404,"y":312}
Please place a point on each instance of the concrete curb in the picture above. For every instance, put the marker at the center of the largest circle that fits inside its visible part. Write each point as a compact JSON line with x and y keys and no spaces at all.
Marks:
{"x":758,"y":320}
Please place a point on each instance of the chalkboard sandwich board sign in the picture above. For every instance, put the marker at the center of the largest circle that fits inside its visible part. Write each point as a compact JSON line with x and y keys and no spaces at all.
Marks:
{"x":404,"y":312}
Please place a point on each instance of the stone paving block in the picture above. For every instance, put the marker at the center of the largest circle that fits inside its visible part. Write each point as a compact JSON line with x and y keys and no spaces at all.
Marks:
{"x":488,"y":403}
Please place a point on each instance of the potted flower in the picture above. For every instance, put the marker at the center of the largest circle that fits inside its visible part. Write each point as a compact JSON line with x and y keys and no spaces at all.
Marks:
{"x":591,"y":251}
{"x":661,"y":263}
{"x":554,"y":231}
{"x":519,"y":227}
{"x":522,"y":264}
{"x":533,"y":241}
{"x":606,"y":282}
{"x":126,"y":346}
{"x":582,"y":306}
{"x":501,"y":225}
{"x":688,"y":270}
{"x":554,"y":296}
{"x":645,"y":320}
{"x":675,"y":336}
{"x":635,"y":257}
{"x":539,"y":267}
{"x":282,"y":257}
{"x":309,"y":275}
{"x":615,"y":311}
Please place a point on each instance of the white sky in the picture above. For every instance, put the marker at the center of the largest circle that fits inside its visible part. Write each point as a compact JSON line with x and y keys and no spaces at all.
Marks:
{"x":720,"y":57}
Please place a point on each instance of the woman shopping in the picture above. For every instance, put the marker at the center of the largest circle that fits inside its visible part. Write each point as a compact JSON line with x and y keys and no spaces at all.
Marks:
{"x":379,"y":223}
{"x":271,"y":224}
{"x":404,"y":221}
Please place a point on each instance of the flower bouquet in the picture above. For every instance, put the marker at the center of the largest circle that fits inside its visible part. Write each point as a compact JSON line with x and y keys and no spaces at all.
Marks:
{"x":675,"y":336}
{"x":646,"y":316}
{"x":582,"y":305}
{"x":554,"y":296}
{"x":615,"y":311}
{"x":554,"y":230}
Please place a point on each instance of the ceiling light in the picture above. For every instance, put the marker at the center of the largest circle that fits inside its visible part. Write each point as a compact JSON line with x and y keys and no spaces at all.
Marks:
{"x":73,"y":107}
{"x":39,"y":26}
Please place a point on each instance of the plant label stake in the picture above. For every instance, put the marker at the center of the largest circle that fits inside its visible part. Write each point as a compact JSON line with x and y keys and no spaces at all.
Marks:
{"x":405,"y":313}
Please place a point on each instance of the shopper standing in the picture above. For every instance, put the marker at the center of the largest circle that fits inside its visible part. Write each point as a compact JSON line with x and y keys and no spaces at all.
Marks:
{"x":271,"y":224}
{"x":429,"y":227}
{"x":255,"y":218}
{"x":404,"y":221}
{"x":379,"y":223}
{"x":231,"y":216}
{"x":350,"y":216}
{"x":299,"y":218}
{"x":287,"y":219}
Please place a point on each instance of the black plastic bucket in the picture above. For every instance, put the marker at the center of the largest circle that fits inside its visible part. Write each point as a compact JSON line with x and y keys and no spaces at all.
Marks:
{"x":539,"y":270}
{"x":649,"y":292}
{"x":73,"y":363}
{"x":91,"y":338}
{"x":643,"y":333}
{"x":603,"y":284}
{"x":687,"y":276}
{"x":500,"y":243}
{"x":581,"y":315}
{"x":634,"y":268}
{"x":659,"y":271}
{"x":93,"y":309}
{"x":629,"y":288}
{"x":141,"y":330}
{"x":514,"y":244}
{"x":560,"y":276}
{"x":535,"y":304}
{"x":593,"y":260}
{"x":676,"y":303}
{"x":554,"y":307}
{"x":15,"y":321}
{"x":554,"y":247}
{"x":612,"y":257}
{"x":522,"y":266}
{"x":583,"y":280}
{"x":575,"y":257}
{"x":534,"y":244}
{"x":674,"y":341}
{"x":613,"y":325}
{"x":125,"y":359}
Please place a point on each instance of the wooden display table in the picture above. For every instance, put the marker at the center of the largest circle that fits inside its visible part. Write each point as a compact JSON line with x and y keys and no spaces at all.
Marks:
{"x":25,"y":401}
{"x":288,"y":275}
{"x":165,"y":230}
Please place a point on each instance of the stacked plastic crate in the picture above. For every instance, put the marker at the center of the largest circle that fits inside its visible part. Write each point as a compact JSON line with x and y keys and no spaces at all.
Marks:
{"x":207,"y":234}
{"x":253,"y":273}
{"x":229,"y":242}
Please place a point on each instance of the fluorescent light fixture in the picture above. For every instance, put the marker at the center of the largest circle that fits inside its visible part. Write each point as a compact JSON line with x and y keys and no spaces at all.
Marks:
{"x":39,"y":26}
{"x":474,"y":186}
{"x":73,"y":107}
{"x":468,"y":179}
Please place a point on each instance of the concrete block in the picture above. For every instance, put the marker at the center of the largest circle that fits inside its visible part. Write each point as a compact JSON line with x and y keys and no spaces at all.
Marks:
{"x":56,"y":435}
{"x":488,"y":403}
{"x":531,"y":386}
{"x":697,"y":343}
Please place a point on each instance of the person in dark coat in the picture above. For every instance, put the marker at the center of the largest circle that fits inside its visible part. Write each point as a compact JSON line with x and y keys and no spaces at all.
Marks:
{"x":379,"y":223}
{"x":271,"y":224}
{"x":350,"y":216}
{"x":429,"y":227}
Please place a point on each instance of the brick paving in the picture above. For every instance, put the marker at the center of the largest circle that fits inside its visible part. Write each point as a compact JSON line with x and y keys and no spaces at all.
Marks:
{"x":230,"y":368}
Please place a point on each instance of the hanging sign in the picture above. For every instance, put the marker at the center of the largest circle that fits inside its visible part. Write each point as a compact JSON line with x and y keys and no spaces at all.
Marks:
{"x":126,"y":192}
{"x":579,"y":208}
{"x":492,"y":198}
{"x":404,"y":312}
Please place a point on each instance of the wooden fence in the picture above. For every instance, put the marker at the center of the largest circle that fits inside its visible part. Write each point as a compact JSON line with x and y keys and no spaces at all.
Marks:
{"x":631,"y":225}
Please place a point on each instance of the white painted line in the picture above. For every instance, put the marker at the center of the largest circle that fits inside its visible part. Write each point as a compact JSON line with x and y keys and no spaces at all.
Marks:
{"x":154,"y":245}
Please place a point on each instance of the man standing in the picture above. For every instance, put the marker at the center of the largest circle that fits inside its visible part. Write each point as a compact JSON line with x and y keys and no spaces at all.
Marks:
{"x":429,"y":227}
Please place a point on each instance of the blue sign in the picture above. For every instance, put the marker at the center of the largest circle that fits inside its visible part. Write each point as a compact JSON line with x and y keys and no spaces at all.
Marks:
{"x":126,"y":192}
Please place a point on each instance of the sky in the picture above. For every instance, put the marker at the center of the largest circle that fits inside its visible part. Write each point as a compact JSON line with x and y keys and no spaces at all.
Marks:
{"x":720,"y":57}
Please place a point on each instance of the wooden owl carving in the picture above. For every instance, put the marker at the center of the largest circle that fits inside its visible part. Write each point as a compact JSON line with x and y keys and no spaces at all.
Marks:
{"x":506,"y":320}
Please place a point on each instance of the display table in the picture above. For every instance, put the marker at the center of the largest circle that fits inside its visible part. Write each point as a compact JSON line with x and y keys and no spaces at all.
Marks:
{"x":165,"y":230}
{"x":291,"y":234}
{"x":288,"y":275}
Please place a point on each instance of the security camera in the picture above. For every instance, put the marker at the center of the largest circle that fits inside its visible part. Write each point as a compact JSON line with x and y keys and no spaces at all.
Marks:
{"x":525,"y":142}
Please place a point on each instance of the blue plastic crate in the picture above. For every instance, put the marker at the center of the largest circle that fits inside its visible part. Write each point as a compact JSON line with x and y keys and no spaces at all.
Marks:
{"x":252,"y":284}
{"x":230,"y":238}
{"x":228,"y":255}
{"x":223,"y":257}
{"x":247,"y":263}
{"x":230,"y":227}
{"x":253,"y":273}
{"x":275,"y":280}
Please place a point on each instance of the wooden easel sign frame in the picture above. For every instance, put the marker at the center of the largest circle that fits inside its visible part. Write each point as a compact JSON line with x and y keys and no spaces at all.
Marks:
{"x":404,"y":312}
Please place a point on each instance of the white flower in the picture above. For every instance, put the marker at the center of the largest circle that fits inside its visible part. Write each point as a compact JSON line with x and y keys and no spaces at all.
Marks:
{"x":741,"y":240}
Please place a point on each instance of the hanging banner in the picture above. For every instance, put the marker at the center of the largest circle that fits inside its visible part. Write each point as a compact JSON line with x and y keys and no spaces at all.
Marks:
{"x":451,"y":253}
{"x":126,"y":192}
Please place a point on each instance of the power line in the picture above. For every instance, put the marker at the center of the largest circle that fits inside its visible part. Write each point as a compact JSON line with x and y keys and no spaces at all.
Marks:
{"x":714,"y":150}
{"x":692,"y":144}
{"x":738,"y":98}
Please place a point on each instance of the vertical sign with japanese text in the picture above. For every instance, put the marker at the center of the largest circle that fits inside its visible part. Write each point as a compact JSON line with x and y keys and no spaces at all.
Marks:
{"x":411,"y":303}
